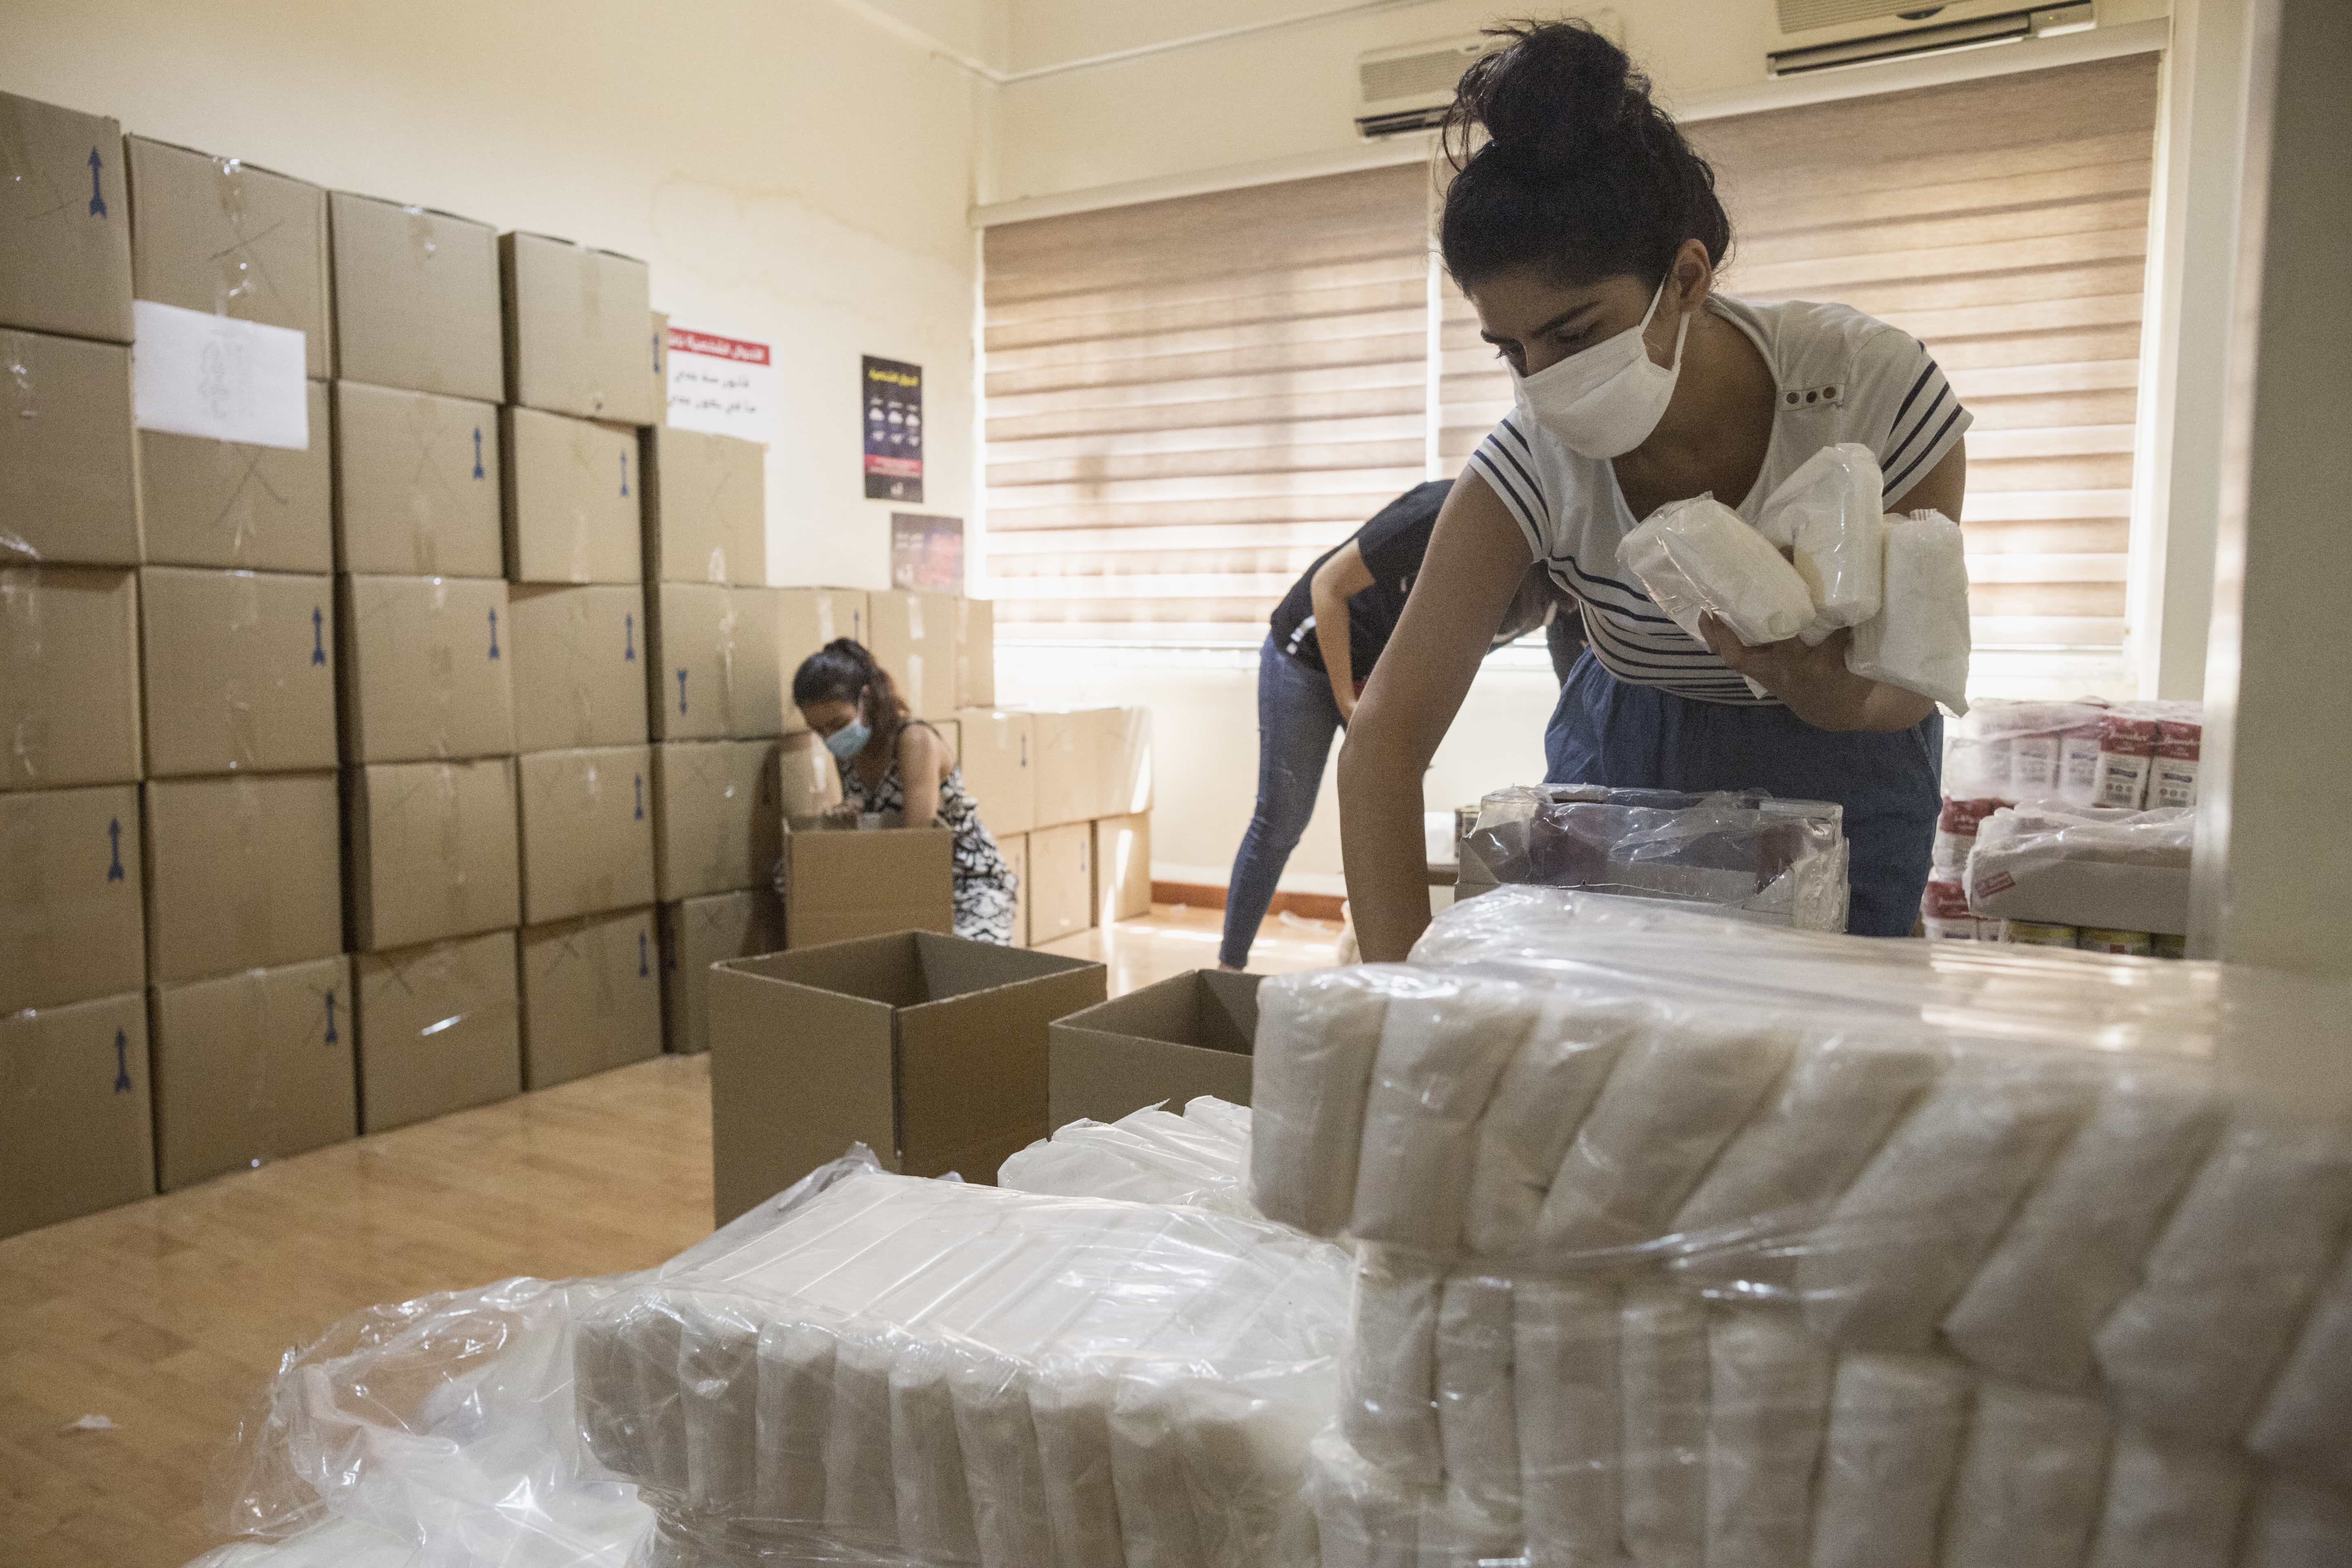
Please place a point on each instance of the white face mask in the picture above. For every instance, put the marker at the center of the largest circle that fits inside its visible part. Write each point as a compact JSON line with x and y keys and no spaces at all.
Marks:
{"x":1605,"y":400}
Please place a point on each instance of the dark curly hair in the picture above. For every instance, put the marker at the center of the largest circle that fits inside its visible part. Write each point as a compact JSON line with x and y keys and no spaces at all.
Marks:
{"x":1579,"y":171}
{"x":841,"y":671}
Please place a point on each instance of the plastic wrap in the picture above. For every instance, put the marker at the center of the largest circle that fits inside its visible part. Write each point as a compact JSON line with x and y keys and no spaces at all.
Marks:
{"x":1780,"y":861}
{"x":2005,"y":751}
{"x":1148,"y":1156}
{"x":2083,"y":865}
{"x":1849,"y":1255}
{"x":1700,"y":558}
{"x":1826,"y":518}
{"x":1920,"y":640}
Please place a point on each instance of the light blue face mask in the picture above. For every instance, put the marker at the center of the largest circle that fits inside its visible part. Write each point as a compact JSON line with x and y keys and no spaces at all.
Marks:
{"x":849,"y":740}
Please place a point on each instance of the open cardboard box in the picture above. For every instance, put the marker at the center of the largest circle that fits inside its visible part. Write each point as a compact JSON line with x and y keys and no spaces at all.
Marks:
{"x":1188,"y":1035}
{"x":844,"y":881}
{"x":928,"y":1049}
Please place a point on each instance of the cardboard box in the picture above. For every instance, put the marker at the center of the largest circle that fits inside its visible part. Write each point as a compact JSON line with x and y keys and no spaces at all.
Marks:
{"x":698,"y":932}
{"x":591,"y":997}
{"x":807,"y":620}
{"x":914,"y":637}
{"x":1061,"y":881}
{"x":72,"y":926}
{"x":1015,"y":850}
{"x":242,"y":873}
{"x":225,"y":503}
{"x":976,"y":653}
{"x":572,"y":489}
{"x":75,"y":1129}
{"x":843,"y":882}
{"x":433,"y":852}
{"x":240,"y":671}
{"x":252,"y":1067}
{"x":65,"y":224}
{"x":661,"y":368}
{"x":587,"y":831}
{"x":928,"y":1049}
{"x":706,"y":508}
{"x":715,"y":674}
{"x":69,"y":676}
{"x":417,"y":298}
{"x":439,"y":1028}
{"x":1188,"y":1035}
{"x":69,"y":471}
{"x":230,"y":238}
{"x":576,"y":323}
{"x":1066,"y":764}
{"x":808,"y":779}
{"x":579,"y":679}
{"x":417,"y":484}
{"x":718,"y":823}
{"x":996,"y":769}
{"x":1122,"y":868}
{"x":1126,"y":756}
{"x":425,"y":673}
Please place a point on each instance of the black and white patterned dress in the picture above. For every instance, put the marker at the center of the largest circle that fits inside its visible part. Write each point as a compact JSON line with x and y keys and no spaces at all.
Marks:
{"x":984,"y":885}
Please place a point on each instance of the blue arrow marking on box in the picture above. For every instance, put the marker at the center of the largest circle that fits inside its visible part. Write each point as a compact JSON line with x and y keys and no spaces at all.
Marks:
{"x":641,"y":797}
{"x":629,"y":639}
{"x":318,"y":635}
{"x":330,"y":1019}
{"x":114,"y":847}
{"x":642,"y":970}
{"x":625,"y":473}
{"x":494,"y":633}
{"x":477,"y":451}
{"x":681,"y":691}
{"x":96,"y":201}
{"x":121,"y":1062}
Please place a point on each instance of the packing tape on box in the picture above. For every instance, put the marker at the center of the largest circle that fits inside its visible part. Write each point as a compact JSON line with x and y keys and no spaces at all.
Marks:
{"x":583,"y":457}
{"x":22,"y":637}
{"x":825,"y":628}
{"x":727,"y":667}
{"x":248,"y":653}
{"x":597,"y":881}
{"x":592,"y":315}
{"x":579,"y":690}
{"x":449,"y":819}
{"x":422,"y":421}
{"x":255,"y":924}
{"x":23,"y":403}
{"x":249,"y":1066}
{"x":441,"y":659}
{"x":239,"y":275}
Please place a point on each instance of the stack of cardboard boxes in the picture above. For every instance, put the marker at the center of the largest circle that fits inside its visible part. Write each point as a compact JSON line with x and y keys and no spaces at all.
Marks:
{"x":1067,"y":793}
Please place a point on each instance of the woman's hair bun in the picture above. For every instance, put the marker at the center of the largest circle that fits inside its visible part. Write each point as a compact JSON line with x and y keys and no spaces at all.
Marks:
{"x":1554,"y":94}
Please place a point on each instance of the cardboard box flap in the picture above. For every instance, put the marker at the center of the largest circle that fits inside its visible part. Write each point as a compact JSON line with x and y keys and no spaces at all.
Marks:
{"x":1209,"y":1009}
{"x":972,"y":1066}
{"x":838,"y":1088}
{"x":879,"y":975}
{"x":951,"y":968}
{"x":1188,"y":1035}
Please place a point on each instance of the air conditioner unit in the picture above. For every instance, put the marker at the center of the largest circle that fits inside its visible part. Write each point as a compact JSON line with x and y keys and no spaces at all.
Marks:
{"x":1825,"y":35}
{"x":1408,"y":88}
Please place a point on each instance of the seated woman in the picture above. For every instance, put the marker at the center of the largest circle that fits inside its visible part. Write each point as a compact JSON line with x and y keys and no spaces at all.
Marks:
{"x":891,"y":762}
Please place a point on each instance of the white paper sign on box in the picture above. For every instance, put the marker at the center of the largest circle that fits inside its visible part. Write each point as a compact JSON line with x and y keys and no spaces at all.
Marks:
{"x":723,"y":385}
{"x":194,"y":374}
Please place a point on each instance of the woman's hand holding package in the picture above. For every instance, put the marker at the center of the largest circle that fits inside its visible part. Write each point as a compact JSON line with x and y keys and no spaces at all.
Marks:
{"x":1815,"y":682}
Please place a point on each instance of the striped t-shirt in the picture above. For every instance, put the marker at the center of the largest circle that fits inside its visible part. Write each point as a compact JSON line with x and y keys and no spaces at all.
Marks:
{"x":1838,"y":375}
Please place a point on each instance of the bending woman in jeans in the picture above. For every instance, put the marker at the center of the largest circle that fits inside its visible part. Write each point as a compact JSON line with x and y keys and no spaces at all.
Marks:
{"x":1326,"y":636}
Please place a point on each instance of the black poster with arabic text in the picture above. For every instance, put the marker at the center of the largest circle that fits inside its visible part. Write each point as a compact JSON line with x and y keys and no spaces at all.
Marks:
{"x":894,"y":430}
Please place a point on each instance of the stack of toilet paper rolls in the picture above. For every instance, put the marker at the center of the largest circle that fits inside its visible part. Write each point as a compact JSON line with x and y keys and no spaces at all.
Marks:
{"x":905,"y":1370}
{"x":1687,"y":1242}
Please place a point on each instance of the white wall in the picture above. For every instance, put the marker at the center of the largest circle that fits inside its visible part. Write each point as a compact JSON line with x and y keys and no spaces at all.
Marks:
{"x":793,"y":173}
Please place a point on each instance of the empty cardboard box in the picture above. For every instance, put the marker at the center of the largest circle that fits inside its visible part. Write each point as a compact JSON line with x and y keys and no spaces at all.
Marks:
{"x":242,"y":873}
{"x":1061,"y":881}
{"x":433,"y":851}
{"x":76,"y":1135}
{"x":572,"y":494}
{"x":69,"y":676}
{"x":439,"y":1028}
{"x":579,"y":675}
{"x":718,"y":824}
{"x":252,"y":1067}
{"x":591,"y":997}
{"x":715,"y":674}
{"x":927,"y":1049}
{"x":69,"y":471}
{"x":424,"y":675}
{"x":240,"y":670}
{"x":587,"y":831}
{"x":417,"y":298}
{"x":225,"y":503}
{"x":976,"y":653}
{"x":418,"y":487}
{"x":706,"y":508}
{"x":843,"y":882}
{"x":697,"y":933}
{"x":1122,"y":868}
{"x":575,"y":329}
{"x":995,"y":761}
{"x":71,"y":914}
{"x":1188,"y":1035}
{"x":231,"y":238}
{"x":914,"y":637}
{"x":65,"y":223}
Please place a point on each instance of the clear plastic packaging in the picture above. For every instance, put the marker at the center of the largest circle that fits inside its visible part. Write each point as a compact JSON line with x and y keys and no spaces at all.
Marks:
{"x":1149,"y":1156}
{"x":1782,"y":861}
{"x":2084,"y":867}
{"x":1920,"y":640}
{"x":1699,"y":558}
{"x":1827,"y":518}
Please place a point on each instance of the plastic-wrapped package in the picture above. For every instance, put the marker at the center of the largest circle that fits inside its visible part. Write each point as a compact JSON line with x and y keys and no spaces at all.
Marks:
{"x":1920,"y":640}
{"x":1477,"y":1413}
{"x":1663,"y":1379}
{"x":1826,"y":517}
{"x":2005,"y":751}
{"x":1896,"y":1426}
{"x":1564,"y":1369}
{"x":2295,"y":1525}
{"x":1532,"y":1117}
{"x":2030,"y":1477}
{"x":1699,"y":558}
{"x":2083,"y":865}
{"x":1389,"y":1403}
{"x":2169,"y":1504}
{"x":1307,"y":1094}
{"x":1782,"y":861}
{"x":1364,"y":1517}
{"x":2307,"y":1424}
{"x":1767,"y":1416}
{"x":1148,"y":1156}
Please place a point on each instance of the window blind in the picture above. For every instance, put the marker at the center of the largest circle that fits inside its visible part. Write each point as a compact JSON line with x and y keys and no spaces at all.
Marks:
{"x":2004,"y":224}
{"x":1188,"y":401}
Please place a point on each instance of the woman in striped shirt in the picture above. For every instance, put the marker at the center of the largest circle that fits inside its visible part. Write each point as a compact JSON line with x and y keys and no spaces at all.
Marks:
{"x":1587,"y":234}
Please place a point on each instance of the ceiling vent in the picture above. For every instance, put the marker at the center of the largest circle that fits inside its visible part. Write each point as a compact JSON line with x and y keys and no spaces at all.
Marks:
{"x":1825,"y":34}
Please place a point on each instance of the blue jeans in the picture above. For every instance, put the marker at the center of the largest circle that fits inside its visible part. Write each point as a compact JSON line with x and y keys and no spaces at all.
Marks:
{"x":1296,"y":720}
{"x":1608,"y":732}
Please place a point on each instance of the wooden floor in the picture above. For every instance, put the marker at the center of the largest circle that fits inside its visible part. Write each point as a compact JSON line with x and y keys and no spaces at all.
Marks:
{"x":166,"y":1316}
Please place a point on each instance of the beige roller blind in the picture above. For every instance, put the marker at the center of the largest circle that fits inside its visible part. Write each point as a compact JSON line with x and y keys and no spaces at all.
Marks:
{"x":2004,"y":224}
{"x":1188,"y":401}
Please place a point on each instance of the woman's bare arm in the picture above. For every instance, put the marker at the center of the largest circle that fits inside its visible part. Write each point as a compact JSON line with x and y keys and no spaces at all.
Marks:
{"x":1476,"y":557}
{"x":918,"y":772}
{"x":1328,"y":590}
